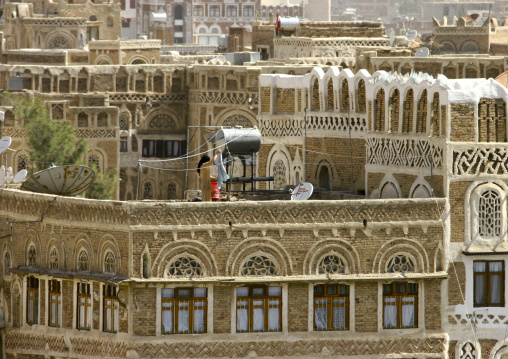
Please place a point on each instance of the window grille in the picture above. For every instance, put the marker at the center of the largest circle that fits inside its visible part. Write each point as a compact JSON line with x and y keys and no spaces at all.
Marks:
{"x":109,"y":263}
{"x":53,"y":259}
{"x":400,"y":263}
{"x":489,"y":214}
{"x":185,"y":267}
{"x":32,"y":256}
{"x":83,"y":262}
{"x":259,"y":266}
{"x":147,"y":191}
{"x":331,"y":264}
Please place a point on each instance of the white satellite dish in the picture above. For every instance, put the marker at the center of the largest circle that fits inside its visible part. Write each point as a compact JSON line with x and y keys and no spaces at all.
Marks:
{"x":422,"y":52}
{"x":411,"y":34}
{"x":8,"y":175}
{"x":67,"y":180}
{"x":302,"y":192}
{"x":2,"y":175}
{"x":5,"y":142}
{"x":20,"y":176}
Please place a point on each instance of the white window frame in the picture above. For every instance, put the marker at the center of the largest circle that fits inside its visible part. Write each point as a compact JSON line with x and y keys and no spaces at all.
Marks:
{"x":209,"y":311}
{"x":284,"y":324}
{"x":115,"y":323}
{"x":421,"y":309}
{"x":76,"y":306}
{"x":200,"y":6}
{"x":472,"y":201}
{"x":245,"y":7}
{"x":210,"y":7}
{"x":59,"y":308}
{"x":352,"y":308}
{"x":229,"y":6}
{"x":469,"y":292}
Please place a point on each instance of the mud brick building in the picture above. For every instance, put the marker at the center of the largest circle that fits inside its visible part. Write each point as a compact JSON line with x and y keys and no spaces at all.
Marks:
{"x":185,"y":279}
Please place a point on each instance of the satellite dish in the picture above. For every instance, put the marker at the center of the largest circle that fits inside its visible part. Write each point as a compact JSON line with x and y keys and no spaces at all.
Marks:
{"x":5,"y":142}
{"x":422,"y":52}
{"x":67,"y":180}
{"x":2,"y":175}
{"x":302,"y":192}
{"x":20,"y":176}
{"x":411,"y":34}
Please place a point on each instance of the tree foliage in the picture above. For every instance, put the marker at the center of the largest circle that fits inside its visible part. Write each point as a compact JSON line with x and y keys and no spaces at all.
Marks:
{"x":53,"y":141}
{"x":50,"y":141}
{"x":103,"y":186}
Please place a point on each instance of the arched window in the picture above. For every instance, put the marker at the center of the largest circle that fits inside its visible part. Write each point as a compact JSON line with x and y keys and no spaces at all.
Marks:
{"x":7,"y":263}
{"x":379,"y":111}
{"x":489,"y":214}
{"x":325,"y":182}
{"x":83,"y":261}
{"x":344,"y":96}
{"x":185,"y":266}
{"x":146,"y":266}
{"x":123,"y":121}
{"x":394,"y":111}
{"x":22,"y":162}
{"x":32,"y":256}
{"x":59,"y":42}
{"x":172,"y":191}
{"x":315,"y":96}
{"x":421,"y":124}
{"x":331,"y":264}
{"x":279,"y":175}
{"x":178,"y":12}
{"x":259,"y":265}
{"x":470,"y":47}
{"x":147,"y":190}
{"x":407,"y":125}
{"x":109,"y":263}
{"x":400,"y":263}
{"x":94,"y":160}
{"x":361,"y":96}
{"x":53,"y":259}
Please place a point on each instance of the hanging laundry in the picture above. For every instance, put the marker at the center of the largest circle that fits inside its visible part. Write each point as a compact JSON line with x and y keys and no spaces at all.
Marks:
{"x":223,"y":176}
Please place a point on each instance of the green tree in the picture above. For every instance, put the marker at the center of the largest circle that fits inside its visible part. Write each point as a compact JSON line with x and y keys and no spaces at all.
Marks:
{"x":103,"y":186}
{"x":55,"y":142}
{"x":50,"y":141}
